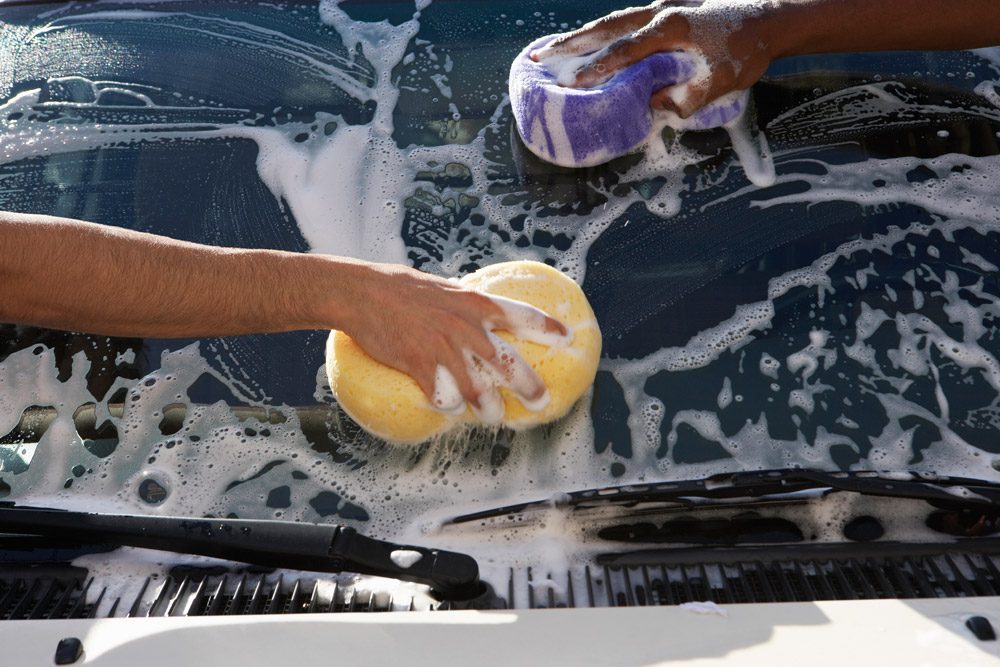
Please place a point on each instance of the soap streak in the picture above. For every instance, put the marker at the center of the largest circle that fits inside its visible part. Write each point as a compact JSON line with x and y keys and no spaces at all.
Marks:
{"x":411,"y":493}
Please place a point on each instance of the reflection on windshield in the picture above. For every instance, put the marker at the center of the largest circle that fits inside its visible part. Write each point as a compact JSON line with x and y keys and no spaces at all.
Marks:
{"x":838,"y":314}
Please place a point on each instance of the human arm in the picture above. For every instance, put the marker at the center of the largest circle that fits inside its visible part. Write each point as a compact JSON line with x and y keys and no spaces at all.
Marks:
{"x":67,"y":274}
{"x":739,"y":39}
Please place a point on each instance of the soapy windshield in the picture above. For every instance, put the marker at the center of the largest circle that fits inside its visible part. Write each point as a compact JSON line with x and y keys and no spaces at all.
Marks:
{"x":824,"y":296}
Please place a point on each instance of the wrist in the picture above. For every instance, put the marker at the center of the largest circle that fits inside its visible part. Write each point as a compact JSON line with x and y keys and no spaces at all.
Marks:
{"x":779,"y":29}
{"x":349,"y":292}
{"x":339,"y":290}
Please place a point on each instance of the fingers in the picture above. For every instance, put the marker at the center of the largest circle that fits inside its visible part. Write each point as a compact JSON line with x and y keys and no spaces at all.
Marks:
{"x":660,"y":35}
{"x":492,"y":362}
{"x":683,"y":100}
{"x":475,"y":380}
{"x":446,"y":396}
{"x":439,"y":369}
{"x":686,"y":99}
{"x":527,"y":322}
{"x":490,"y":408}
{"x":471,"y":366}
{"x":461,"y":361}
{"x":662,"y":101}
{"x":471,"y":382}
{"x":517,"y":375}
{"x":596,"y":34}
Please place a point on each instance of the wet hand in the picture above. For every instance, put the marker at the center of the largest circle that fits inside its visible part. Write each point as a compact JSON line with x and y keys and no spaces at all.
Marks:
{"x":729,"y":34}
{"x":441,"y":335}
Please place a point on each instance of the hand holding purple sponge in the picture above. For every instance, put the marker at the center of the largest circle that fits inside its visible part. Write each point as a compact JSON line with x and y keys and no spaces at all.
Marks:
{"x":583,"y":127}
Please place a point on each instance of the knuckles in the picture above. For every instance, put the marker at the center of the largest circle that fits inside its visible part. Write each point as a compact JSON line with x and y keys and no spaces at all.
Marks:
{"x":671,"y":22}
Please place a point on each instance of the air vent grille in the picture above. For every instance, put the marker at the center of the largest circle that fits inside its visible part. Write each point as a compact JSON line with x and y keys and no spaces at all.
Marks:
{"x":242,"y":595}
{"x":34,"y":597}
{"x":32,"y":593}
{"x":799,"y":580}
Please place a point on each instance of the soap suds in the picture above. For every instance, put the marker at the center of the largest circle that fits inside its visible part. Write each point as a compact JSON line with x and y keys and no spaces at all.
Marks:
{"x":707,"y":608}
{"x":408,"y":495}
{"x":405,"y":558}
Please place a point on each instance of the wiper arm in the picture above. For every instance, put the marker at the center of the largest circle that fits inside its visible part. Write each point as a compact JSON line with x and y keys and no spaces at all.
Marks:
{"x":281,"y":544}
{"x":763,"y":486}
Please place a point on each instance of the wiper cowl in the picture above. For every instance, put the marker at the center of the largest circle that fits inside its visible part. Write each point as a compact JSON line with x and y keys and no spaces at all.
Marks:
{"x":280,"y":544}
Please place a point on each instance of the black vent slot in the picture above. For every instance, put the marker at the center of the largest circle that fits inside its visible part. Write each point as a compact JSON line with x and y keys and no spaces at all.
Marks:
{"x":250,"y":594}
{"x":35,"y":597}
{"x":794,"y":580}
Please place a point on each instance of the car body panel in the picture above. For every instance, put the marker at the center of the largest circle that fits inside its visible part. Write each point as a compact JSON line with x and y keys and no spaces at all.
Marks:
{"x":915,"y":632}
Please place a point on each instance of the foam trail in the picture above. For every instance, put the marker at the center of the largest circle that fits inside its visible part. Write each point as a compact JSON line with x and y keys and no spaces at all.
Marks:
{"x":334,"y":67}
{"x":227,"y":459}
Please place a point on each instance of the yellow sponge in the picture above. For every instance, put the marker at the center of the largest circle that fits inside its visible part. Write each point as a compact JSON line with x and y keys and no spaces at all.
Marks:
{"x":390,"y":405}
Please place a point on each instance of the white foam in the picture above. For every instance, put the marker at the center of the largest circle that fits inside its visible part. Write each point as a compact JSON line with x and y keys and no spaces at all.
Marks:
{"x":411,"y":494}
{"x":769,"y":365}
{"x":707,"y":608}
{"x":753,"y":151}
{"x":808,"y":359}
{"x":564,"y":68}
{"x":405,"y":558}
{"x":725,"y":395}
{"x":447,"y":396}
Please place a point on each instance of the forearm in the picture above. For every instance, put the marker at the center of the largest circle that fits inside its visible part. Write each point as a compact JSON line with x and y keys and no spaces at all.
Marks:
{"x":799,"y":27}
{"x":66,"y":274}
{"x":72,"y":275}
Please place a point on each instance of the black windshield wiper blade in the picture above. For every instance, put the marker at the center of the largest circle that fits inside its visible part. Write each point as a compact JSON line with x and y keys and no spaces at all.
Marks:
{"x":764,"y":485}
{"x":280,"y":544}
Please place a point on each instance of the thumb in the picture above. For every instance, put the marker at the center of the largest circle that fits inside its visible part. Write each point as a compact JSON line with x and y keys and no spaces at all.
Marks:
{"x":683,"y":100}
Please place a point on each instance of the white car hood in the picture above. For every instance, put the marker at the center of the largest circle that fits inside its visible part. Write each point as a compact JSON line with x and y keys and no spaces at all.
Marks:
{"x":893,"y":632}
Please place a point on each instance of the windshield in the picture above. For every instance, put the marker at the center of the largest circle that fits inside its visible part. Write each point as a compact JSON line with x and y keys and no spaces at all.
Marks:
{"x":823,"y":296}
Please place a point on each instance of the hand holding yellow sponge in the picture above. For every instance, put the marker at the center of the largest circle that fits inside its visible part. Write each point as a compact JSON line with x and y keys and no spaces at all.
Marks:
{"x":390,"y":405}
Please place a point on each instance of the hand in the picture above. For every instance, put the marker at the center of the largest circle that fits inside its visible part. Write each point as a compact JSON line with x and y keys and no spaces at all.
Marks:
{"x":440,"y":334}
{"x":728,"y":33}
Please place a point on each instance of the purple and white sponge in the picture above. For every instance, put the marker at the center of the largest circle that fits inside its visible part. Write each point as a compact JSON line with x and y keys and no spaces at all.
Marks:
{"x":583,"y":127}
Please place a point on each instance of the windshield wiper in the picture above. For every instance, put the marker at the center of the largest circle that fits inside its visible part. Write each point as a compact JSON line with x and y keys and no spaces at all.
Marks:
{"x":764,"y":486}
{"x":280,"y":544}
